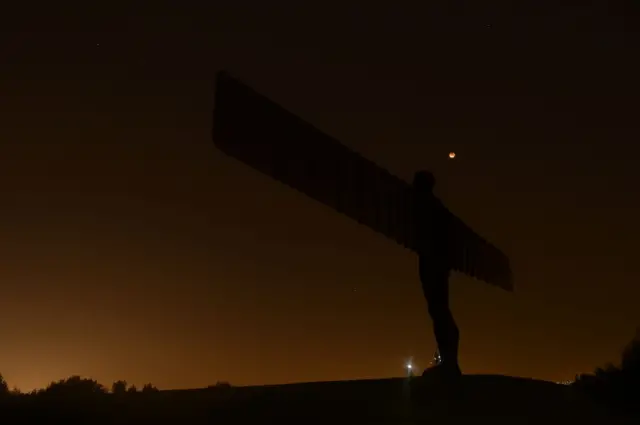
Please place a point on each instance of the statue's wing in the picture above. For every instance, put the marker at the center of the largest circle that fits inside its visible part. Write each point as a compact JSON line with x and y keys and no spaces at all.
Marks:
{"x":265,"y":136}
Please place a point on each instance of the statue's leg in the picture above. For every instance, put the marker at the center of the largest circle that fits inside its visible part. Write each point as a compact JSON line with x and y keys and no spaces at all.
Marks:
{"x":435,"y":286}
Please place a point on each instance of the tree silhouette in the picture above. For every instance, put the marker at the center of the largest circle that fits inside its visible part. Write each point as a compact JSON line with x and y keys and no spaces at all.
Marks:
{"x":4,"y":387}
{"x":223,"y":384}
{"x":148,"y":388}
{"x":119,"y":387}
{"x":132,"y":389}
{"x":618,"y":386}
{"x":75,"y":385}
{"x":631,"y":356}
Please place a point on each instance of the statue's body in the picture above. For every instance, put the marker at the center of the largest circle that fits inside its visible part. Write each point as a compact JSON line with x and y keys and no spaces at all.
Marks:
{"x":433,"y":239}
{"x":265,"y":136}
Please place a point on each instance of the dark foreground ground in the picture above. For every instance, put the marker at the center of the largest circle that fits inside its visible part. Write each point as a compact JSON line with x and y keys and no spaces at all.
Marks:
{"x":479,"y":399}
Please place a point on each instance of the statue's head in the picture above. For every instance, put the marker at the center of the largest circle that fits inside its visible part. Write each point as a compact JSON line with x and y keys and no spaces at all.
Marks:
{"x":424,"y":180}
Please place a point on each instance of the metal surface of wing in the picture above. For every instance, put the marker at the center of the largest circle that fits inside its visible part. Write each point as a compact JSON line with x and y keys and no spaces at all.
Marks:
{"x":253,"y":129}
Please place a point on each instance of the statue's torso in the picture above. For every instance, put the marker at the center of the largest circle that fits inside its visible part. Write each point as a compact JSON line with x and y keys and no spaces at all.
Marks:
{"x":431,"y":226}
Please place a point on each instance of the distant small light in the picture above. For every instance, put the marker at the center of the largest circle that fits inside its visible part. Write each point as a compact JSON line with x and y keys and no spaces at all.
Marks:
{"x":409,"y":366}
{"x":452,"y":155}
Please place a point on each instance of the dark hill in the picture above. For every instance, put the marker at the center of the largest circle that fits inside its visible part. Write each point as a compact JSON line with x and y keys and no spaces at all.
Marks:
{"x":500,"y":399}
{"x":478,"y":399}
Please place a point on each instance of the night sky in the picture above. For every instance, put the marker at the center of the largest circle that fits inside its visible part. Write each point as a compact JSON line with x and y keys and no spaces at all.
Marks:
{"x":130,"y":248}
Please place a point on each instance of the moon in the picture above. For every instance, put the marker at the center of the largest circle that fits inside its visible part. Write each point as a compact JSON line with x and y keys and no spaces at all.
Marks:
{"x":452,"y":155}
